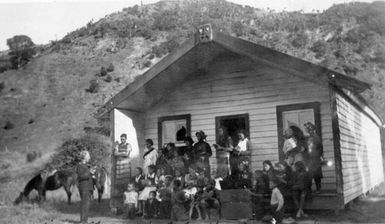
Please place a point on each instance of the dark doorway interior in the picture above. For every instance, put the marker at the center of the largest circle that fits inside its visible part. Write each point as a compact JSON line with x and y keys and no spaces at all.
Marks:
{"x":233,"y":124}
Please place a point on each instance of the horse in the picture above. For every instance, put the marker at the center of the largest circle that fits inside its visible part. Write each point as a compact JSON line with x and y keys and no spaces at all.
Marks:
{"x":99,"y":179}
{"x":62,"y":178}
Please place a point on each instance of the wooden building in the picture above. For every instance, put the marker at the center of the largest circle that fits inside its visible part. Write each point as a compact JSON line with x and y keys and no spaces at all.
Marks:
{"x":215,"y":80}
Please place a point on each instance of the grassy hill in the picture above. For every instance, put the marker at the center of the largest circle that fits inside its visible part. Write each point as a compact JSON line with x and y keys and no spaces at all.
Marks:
{"x":47,"y":101}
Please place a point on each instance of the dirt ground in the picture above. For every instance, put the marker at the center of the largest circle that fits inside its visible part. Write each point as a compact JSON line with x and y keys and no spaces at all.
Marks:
{"x":369,"y":209}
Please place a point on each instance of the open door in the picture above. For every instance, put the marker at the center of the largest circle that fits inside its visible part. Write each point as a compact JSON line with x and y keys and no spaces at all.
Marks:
{"x":297,"y":115}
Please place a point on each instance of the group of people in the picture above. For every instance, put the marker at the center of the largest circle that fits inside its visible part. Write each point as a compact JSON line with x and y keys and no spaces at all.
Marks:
{"x":176,"y":183}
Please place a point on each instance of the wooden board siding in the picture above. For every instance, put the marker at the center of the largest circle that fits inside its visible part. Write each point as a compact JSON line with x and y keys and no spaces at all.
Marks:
{"x":230,"y":88}
{"x":360,"y":149}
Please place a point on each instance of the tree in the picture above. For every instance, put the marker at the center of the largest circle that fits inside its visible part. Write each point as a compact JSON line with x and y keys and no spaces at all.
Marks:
{"x":22,"y":48}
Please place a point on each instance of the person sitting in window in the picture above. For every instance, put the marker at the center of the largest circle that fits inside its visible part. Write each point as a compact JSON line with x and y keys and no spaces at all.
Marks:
{"x":242,"y":152}
{"x":203,"y":152}
{"x":224,"y":141}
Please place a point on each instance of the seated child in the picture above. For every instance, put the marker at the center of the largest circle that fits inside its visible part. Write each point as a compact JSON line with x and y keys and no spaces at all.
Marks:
{"x":151,"y":207}
{"x":276,"y":201}
{"x":195,"y":203}
{"x":243,"y":177}
{"x":191,"y":177}
{"x":209,"y":200}
{"x":130,"y":200}
{"x":149,"y":186}
{"x":138,"y":179}
{"x":202,"y":180}
{"x":165,"y":198}
{"x":178,"y":200}
{"x":160,"y":176}
{"x":179,"y":175}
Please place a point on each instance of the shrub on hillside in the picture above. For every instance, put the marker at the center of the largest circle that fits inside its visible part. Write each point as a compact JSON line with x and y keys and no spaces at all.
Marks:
{"x":237,"y":28}
{"x":94,"y":86}
{"x":67,"y":155}
{"x":147,"y":64}
{"x":32,"y":156}
{"x":22,"y":49}
{"x":319,"y":48}
{"x":300,"y":40}
{"x":103,"y":71}
{"x":108,"y":78}
{"x":166,"y":20}
{"x":110,"y":68}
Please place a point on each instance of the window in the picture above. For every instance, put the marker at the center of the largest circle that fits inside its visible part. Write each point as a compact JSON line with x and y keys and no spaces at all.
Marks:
{"x":297,"y":115}
{"x":173,"y":129}
{"x":232,"y":124}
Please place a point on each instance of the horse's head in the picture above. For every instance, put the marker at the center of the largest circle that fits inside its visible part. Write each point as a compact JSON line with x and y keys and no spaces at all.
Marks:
{"x":20,"y":198}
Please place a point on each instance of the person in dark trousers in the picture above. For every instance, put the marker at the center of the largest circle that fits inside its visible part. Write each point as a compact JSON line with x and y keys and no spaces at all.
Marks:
{"x":315,"y":157}
{"x":151,"y":207}
{"x":85,"y":185}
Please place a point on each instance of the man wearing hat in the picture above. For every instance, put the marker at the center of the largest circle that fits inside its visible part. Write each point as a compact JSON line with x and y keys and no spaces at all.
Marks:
{"x":85,"y":184}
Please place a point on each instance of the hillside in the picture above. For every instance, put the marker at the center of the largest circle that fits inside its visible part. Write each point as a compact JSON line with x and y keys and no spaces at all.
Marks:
{"x":46,"y":102}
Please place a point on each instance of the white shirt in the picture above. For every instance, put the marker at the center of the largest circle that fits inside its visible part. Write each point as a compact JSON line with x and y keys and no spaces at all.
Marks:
{"x":131,"y":197}
{"x":276,"y":198}
{"x":242,"y":145}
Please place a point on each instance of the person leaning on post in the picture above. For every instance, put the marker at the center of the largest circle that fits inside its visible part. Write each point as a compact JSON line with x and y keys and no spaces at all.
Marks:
{"x":85,"y":184}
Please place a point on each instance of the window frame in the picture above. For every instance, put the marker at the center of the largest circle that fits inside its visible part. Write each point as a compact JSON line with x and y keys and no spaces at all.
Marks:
{"x":316,"y":106}
{"x":186,"y":117}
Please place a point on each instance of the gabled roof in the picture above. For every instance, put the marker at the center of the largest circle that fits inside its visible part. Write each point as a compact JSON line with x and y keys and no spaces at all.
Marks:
{"x":196,"y":53}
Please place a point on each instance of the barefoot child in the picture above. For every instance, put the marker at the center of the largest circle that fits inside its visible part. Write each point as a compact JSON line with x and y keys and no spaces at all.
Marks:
{"x":276,"y":201}
{"x":131,"y":200}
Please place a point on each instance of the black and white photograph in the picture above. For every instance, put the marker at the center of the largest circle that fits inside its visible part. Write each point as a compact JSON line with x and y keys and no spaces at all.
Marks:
{"x":192,"y":111}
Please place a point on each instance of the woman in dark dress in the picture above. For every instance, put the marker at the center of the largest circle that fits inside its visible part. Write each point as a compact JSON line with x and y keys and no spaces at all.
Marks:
{"x":202,"y":152}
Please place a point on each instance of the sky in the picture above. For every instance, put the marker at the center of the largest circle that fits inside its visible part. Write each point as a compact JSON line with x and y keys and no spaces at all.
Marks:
{"x":46,"y":20}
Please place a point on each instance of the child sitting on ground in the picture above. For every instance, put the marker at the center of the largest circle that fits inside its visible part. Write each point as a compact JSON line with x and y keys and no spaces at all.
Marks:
{"x":178,"y":200}
{"x":195,"y":203}
{"x":151,"y":207}
{"x":276,"y":201}
{"x":209,"y":200}
{"x":191,"y":177}
{"x":130,"y":200}
{"x":179,"y":175}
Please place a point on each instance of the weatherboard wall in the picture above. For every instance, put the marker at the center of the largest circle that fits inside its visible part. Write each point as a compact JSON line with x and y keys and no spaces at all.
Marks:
{"x":360,"y":144}
{"x":230,"y":88}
